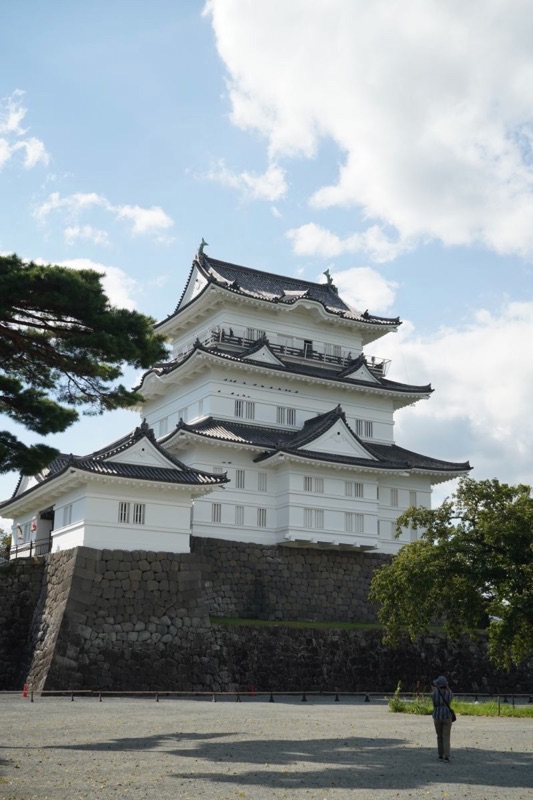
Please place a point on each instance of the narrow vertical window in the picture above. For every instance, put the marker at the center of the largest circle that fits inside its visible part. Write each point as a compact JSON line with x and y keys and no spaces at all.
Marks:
{"x":216,"y":512}
{"x":262,"y":479}
{"x":218,"y":470}
{"x":261,"y":517}
{"x":354,"y":523}
{"x":240,"y":477}
{"x":239,"y":515}
{"x":319,"y":485}
{"x":308,"y":517}
{"x":280,"y":415}
{"x":124,"y":513}
{"x":412,"y":498}
{"x":139,"y":510}
{"x":163,"y":426}
{"x":239,"y":408}
{"x":67,"y":515}
{"x":353,"y":489}
{"x":394,"y":497}
{"x":359,"y":427}
{"x":308,"y":483}
{"x":250,"y":410}
{"x":319,"y":518}
{"x":369,"y":429}
{"x":291,"y":416}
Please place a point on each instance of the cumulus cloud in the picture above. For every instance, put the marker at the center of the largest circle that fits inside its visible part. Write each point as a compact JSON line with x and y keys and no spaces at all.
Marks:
{"x":269,"y":185}
{"x":430,"y":105}
{"x":483,"y":381}
{"x":364,"y":288}
{"x":144,"y":221}
{"x":314,"y":240}
{"x":13,"y":138}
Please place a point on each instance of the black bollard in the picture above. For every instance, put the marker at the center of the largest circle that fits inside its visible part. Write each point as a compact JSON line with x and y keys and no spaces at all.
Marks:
{"x":157,"y":697}
{"x":214,"y":698}
{"x":72,"y":697}
{"x":367,"y":698}
{"x":31,"y":696}
{"x":271,"y":698}
{"x":336,"y":697}
{"x":100,"y":696}
{"x":304,"y":698}
{"x":238,"y":697}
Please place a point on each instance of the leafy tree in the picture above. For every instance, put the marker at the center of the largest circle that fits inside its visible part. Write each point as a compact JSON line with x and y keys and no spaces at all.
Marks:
{"x":62,"y":346}
{"x":471,"y":568}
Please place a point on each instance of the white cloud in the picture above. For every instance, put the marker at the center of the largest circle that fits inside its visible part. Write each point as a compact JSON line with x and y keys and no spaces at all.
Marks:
{"x":364,"y":288}
{"x":483,"y":381}
{"x":75,"y":232}
{"x":430,"y":105}
{"x":269,"y":185}
{"x":12,"y":140}
{"x":314,"y":240}
{"x":145,"y":221}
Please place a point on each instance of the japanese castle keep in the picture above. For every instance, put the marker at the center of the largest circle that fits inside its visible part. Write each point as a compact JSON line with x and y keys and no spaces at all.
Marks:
{"x":268,"y":425}
{"x":262,"y":482}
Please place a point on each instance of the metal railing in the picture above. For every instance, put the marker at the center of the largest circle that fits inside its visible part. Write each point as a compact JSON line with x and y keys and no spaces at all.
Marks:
{"x":39,"y":547}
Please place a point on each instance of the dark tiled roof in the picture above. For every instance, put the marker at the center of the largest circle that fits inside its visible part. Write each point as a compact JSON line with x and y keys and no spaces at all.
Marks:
{"x":96,"y":463}
{"x":306,"y":370}
{"x":278,"y":289}
{"x":282,"y":440}
{"x":235,"y":432}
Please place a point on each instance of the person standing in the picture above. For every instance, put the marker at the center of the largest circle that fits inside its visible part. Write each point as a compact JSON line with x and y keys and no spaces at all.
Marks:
{"x":442,"y":715}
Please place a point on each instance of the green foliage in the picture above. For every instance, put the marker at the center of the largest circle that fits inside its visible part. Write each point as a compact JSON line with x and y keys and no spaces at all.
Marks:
{"x":62,"y":346}
{"x":420,"y":705}
{"x":5,"y":545}
{"x":471,"y":568}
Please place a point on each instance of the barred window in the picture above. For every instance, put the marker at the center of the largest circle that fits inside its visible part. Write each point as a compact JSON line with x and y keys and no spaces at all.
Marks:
{"x":313,"y":518}
{"x":218,"y":470}
{"x":216,"y":512}
{"x":354,"y":523}
{"x":285,"y":416}
{"x":262,"y":479}
{"x":124,"y":513}
{"x":353,"y":489}
{"x":315,"y":485}
{"x":261,"y":517}
{"x":394,"y":497}
{"x":412,"y":498}
{"x":239,"y":515}
{"x":364,"y":428}
{"x":250,"y":410}
{"x":240,"y":477}
{"x":163,"y":426}
{"x":239,"y":408}
{"x":139,"y":510}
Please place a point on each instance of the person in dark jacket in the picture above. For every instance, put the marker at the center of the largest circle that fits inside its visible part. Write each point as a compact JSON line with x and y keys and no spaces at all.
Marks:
{"x":442,"y":715}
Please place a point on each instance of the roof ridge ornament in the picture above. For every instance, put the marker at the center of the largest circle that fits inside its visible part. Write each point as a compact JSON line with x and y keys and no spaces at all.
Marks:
{"x":203,"y":244}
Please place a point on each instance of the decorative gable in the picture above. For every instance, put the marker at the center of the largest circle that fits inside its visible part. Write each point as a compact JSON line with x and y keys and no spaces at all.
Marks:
{"x":265,"y":355}
{"x":196,"y":285}
{"x":142,"y":452}
{"x":339,"y":440}
{"x":361,"y":373}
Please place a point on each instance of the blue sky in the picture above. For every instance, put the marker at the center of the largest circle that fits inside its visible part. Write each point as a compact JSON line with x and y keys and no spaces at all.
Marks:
{"x":390,"y":142}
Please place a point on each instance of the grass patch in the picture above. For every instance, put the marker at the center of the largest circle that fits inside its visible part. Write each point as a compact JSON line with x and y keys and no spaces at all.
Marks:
{"x":423,"y":705}
{"x":303,"y":624}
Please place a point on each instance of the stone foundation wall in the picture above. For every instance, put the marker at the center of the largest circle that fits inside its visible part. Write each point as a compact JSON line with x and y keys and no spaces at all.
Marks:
{"x":20,"y":586}
{"x":130,"y":621}
{"x":285,"y":583}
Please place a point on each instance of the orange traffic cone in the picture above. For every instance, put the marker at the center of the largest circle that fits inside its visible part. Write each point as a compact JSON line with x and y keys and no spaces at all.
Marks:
{"x":25,"y":690}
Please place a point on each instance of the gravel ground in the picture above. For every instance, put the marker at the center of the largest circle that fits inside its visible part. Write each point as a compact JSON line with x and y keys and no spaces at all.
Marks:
{"x":55,"y":749}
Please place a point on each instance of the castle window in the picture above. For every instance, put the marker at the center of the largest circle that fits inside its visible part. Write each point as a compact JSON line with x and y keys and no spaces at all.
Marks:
{"x":239,"y":515}
{"x":364,"y":428}
{"x":254,"y":333}
{"x":139,"y":510}
{"x":333,"y":350}
{"x":313,"y":518}
{"x":353,"y":489}
{"x":240,"y":477}
{"x":315,"y":485}
{"x":163,"y":426}
{"x":394,"y":497}
{"x":262,"y":479}
{"x":218,"y":470}
{"x":261,"y":517}
{"x":124,"y":513}
{"x":216,"y":512}
{"x":67,"y":514}
{"x":354,"y":523}
{"x":285,"y":416}
{"x":412,"y":498}
{"x":244,"y":409}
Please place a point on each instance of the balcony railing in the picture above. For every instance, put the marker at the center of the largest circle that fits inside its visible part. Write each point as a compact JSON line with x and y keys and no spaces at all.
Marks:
{"x":376,"y":365}
{"x":28,"y":549}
